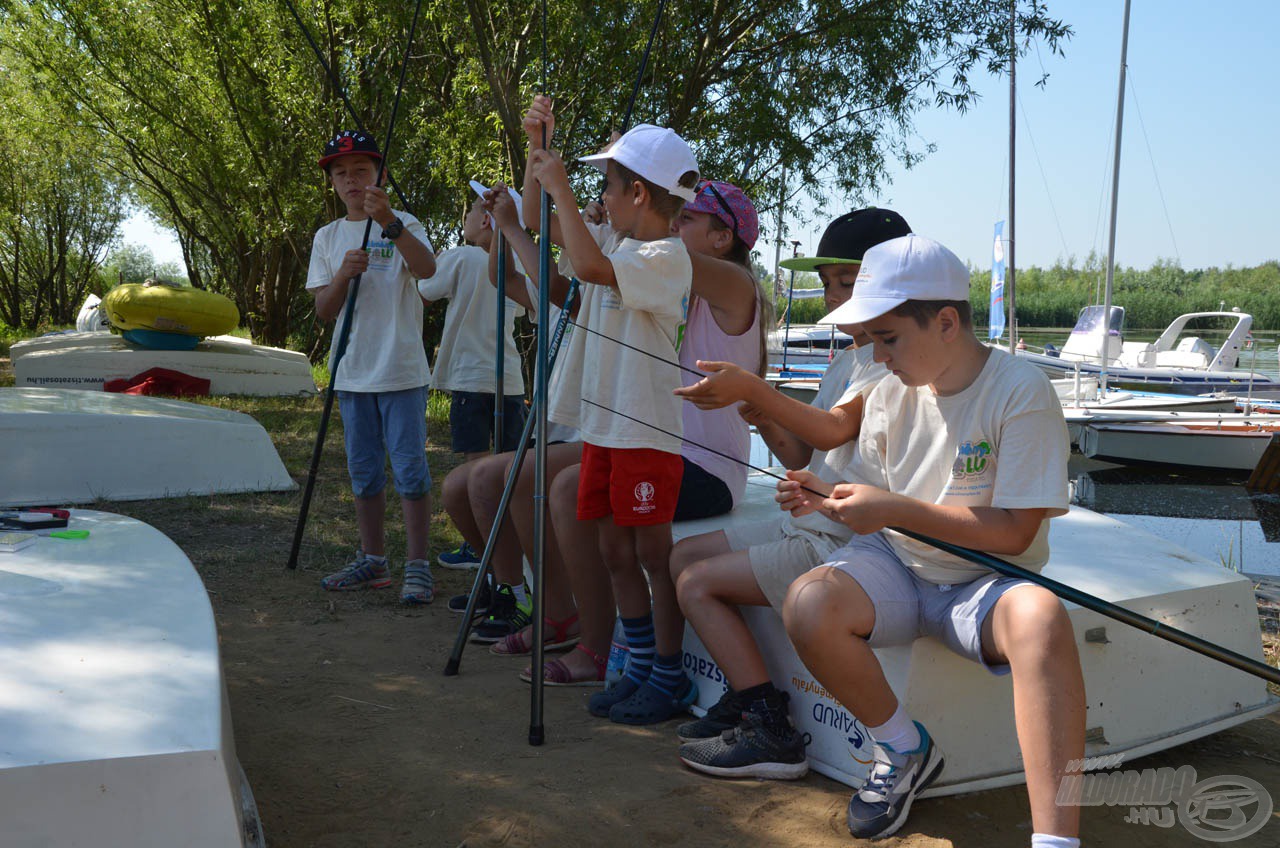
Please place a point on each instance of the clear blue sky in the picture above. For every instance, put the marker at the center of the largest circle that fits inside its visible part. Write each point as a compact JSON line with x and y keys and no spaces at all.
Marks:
{"x":1205,"y":76}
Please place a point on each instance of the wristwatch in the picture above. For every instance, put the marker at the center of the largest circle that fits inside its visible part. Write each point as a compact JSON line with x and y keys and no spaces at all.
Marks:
{"x":393,"y":230}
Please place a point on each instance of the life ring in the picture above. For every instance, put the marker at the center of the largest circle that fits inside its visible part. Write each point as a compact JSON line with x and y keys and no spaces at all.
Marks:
{"x":168,"y":309}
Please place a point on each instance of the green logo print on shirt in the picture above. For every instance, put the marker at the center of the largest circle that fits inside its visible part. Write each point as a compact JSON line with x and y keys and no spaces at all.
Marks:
{"x":971,"y":459}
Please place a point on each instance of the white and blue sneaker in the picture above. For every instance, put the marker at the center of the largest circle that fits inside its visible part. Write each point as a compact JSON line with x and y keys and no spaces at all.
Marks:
{"x":880,"y":807}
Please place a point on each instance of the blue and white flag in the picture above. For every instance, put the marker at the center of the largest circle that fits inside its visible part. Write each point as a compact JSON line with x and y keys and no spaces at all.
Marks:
{"x":996,"y":321}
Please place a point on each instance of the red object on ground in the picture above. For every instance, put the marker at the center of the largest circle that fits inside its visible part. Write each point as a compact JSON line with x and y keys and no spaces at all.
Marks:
{"x":160,"y":381}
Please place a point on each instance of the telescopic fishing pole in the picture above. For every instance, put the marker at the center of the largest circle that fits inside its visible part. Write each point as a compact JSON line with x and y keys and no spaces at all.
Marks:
{"x":344,"y":334}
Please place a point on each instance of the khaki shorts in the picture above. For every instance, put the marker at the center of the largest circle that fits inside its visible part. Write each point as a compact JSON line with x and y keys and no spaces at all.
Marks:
{"x":776,"y":559}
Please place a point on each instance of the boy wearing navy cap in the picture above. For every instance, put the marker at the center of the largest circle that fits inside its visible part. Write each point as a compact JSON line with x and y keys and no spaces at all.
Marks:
{"x":382,"y":378}
{"x":965,"y":444}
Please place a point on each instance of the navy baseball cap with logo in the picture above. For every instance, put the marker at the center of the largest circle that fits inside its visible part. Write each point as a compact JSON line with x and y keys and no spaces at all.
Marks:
{"x":349,"y":143}
{"x":850,"y":236}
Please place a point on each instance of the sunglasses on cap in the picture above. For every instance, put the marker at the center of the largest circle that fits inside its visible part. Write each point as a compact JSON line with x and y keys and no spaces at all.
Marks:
{"x":707,"y":185}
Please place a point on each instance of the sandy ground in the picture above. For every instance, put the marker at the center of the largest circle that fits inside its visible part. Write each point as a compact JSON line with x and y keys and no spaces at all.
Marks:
{"x":351,"y":735}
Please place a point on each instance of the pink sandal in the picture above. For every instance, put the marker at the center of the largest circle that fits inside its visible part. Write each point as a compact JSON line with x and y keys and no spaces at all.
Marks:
{"x":556,"y":672}
{"x":556,"y":633}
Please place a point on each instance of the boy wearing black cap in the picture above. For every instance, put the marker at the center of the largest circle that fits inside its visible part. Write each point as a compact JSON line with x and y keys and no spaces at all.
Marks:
{"x":753,"y":565}
{"x":383,"y":375}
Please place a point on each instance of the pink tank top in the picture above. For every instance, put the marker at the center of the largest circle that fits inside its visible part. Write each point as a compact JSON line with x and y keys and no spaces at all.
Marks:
{"x":721,"y":429}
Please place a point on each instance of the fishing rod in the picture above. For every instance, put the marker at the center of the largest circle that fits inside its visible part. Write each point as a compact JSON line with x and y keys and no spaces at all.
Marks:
{"x":348,"y":314}
{"x":684,"y":368}
{"x":1007,"y":569}
{"x":337,"y":86}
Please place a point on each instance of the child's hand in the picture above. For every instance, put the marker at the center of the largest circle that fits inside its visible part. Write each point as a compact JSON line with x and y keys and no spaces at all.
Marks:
{"x":354,"y":263}
{"x":864,"y":509}
{"x":595,"y":213}
{"x":796,"y":493}
{"x":538,"y":117}
{"x":727,"y":383}
{"x":498,"y":203}
{"x":547,"y":168}
{"x":377,"y":207}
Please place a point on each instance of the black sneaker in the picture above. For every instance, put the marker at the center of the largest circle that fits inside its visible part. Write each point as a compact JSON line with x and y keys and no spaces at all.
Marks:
{"x":458,"y":603}
{"x":506,"y":616}
{"x":880,"y":807}
{"x":724,"y":714}
{"x":749,"y":750}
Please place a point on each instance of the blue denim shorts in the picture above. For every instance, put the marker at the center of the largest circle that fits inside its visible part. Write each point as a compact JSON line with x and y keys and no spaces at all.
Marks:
{"x":471,"y":421}
{"x":376,"y":424}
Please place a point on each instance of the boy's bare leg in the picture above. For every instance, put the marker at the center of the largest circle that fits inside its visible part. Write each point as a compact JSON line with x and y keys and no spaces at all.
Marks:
{"x":485,"y":493}
{"x":588,"y":578}
{"x":710,"y":591}
{"x":417,"y":526}
{"x":472,"y":456}
{"x":370,"y":519}
{"x":455,"y":492}
{"x":618,"y":550}
{"x":828,"y":618}
{"x":653,"y":551}
{"x":1029,"y":629}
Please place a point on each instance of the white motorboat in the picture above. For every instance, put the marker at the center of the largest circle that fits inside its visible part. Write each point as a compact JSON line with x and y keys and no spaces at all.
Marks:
{"x":806,"y":343}
{"x":1225,"y":442}
{"x":60,"y":446}
{"x":970,"y":712}
{"x":232,"y":365}
{"x":113,"y":707}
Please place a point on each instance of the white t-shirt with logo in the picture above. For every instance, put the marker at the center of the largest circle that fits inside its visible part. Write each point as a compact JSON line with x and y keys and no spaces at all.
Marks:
{"x":384,"y":351}
{"x":464,"y":361}
{"x":854,"y":371}
{"x":1001,"y":442}
{"x":647,"y":311}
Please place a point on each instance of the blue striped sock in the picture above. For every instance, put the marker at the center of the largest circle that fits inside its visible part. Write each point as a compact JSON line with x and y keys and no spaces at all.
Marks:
{"x":640,"y":644}
{"x":667,"y":675}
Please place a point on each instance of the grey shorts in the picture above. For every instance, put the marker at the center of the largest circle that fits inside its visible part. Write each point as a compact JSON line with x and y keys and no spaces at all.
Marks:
{"x":776,"y":559}
{"x":908,"y":607}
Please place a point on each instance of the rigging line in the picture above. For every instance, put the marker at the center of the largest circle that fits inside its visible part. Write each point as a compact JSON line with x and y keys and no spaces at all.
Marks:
{"x":1062,"y":590}
{"x":692,"y":371}
{"x":1133,"y":90}
{"x":337,"y":86}
{"x":1066,"y":252}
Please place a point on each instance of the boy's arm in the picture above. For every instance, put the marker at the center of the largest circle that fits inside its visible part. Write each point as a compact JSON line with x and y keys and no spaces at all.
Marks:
{"x":503,"y":210}
{"x":536,"y":120}
{"x":515,"y":289}
{"x":588,"y":260}
{"x":790,"y":450}
{"x":417,"y":256}
{"x":728,"y":383}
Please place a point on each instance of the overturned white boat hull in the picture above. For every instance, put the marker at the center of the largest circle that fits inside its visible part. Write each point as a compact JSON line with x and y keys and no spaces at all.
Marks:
{"x":61,"y":447}
{"x":87,"y":360}
{"x":1143,"y":694}
{"x":113,"y":708}
{"x":1233,"y":444}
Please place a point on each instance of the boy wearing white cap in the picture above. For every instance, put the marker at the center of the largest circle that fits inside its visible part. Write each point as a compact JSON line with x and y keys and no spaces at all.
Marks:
{"x":639,"y":275}
{"x":966,"y":444}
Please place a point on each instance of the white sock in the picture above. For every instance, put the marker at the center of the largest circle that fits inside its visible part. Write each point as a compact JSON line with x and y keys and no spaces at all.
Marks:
{"x":519,"y":591}
{"x":378,"y":559}
{"x":898,"y":733}
{"x":1045,"y":840}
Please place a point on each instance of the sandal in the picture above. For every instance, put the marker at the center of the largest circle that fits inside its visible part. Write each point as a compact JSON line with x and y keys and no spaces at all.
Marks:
{"x":651,"y":706}
{"x":557,"y":672}
{"x":521,"y":642}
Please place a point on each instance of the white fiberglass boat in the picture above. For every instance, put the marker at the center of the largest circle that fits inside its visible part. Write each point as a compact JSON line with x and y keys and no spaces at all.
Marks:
{"x":60,"y":446}
{"x":970,"y":713}
{"x":232,"y":365}
{"x":806,"y":343}
{"x":113,"y":708}
{"x":1222,"y":443}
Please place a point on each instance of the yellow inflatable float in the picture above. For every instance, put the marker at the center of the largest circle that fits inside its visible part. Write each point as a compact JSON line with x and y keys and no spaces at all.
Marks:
{"x":170,"y":309}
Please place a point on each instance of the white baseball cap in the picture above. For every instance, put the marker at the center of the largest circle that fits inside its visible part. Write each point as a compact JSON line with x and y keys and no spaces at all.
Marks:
{"x":910,"y":267}
{"x":480,"y":189}
{"x":655,"y":153}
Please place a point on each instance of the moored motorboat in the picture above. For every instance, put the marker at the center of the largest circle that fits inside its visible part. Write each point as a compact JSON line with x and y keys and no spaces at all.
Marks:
{"x":1225,"y":443}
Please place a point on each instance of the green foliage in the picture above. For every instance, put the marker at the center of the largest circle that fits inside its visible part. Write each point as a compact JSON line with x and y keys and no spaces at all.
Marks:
{"x":1053,"y":297}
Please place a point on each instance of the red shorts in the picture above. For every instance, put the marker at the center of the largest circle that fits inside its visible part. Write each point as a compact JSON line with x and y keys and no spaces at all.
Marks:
{"x":637,"y":486}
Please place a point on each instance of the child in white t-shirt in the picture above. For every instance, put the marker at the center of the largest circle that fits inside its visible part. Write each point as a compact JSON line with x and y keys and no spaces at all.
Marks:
{"x":382,"y":375}
{"x":968,"y":445}
{"x":637,"y":277}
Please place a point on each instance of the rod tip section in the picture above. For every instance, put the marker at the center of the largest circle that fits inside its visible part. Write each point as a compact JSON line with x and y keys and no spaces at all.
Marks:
{"x":537,"y":735}
{"x":451,"y":668}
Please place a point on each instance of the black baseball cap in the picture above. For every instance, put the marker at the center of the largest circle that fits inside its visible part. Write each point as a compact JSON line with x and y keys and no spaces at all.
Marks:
{"x":349,"y":143}
{"x":850,"y":236}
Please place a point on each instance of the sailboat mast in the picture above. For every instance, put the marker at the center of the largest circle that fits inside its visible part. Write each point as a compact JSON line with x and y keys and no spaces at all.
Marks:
{"x":1115,"y":196}
{"x":1013,"y":99}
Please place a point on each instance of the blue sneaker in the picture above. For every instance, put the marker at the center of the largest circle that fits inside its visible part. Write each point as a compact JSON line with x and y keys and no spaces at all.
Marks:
{"x":460,"y":558}
{"x":361,"y":573}
{"x":880,"y":807}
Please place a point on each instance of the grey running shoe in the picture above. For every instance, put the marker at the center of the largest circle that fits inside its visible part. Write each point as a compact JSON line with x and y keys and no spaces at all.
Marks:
{"x":361,"y":573}
{"x":749,"y":750}
{"x":880,"y":807}
{"x":724,"y":714}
